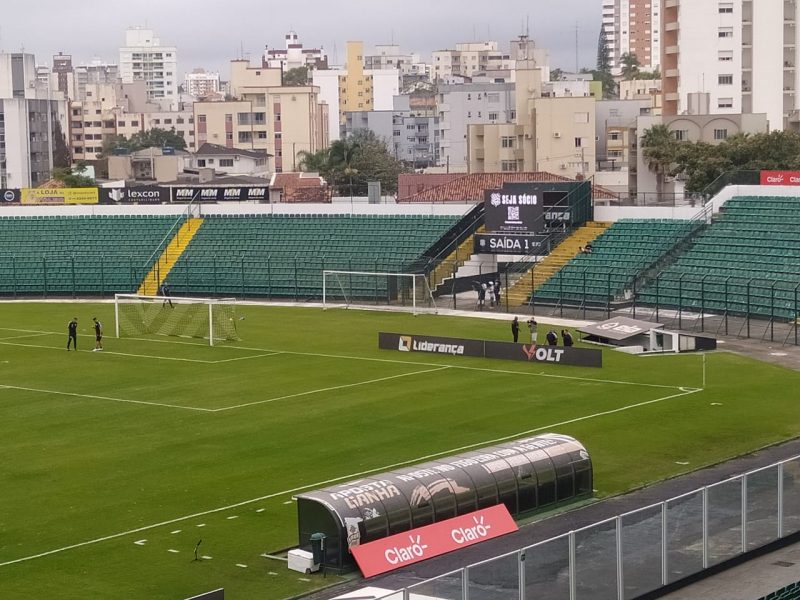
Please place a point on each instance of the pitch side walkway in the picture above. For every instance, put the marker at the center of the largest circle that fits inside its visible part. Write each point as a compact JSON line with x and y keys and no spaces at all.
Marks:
{"x":748,"y":581}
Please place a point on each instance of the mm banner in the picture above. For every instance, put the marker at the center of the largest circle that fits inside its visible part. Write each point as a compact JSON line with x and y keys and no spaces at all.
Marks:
{"x":420,"y":544}
{"x":513,"y":212}
{"x":149,"y":194}
{"x":60,"y":196}
{"x":780,"y":177}
{"x":221,"y":194}
{"x":10,"y":195}
{"x":429,"y":344}
{"x":558,"y":355}
{"x":510,"y":243}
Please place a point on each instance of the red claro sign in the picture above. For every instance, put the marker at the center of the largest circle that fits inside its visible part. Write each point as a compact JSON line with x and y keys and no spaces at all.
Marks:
{"x":420,"y":544}
{"x":780,"y":177}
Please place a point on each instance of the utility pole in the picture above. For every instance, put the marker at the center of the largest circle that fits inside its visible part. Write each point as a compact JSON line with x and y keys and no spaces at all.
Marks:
{"x":577,"y":66}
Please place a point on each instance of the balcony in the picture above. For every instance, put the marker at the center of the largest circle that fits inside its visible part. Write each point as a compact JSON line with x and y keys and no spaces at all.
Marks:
{"x":479,"y":153}
{"x":671,"y":50}
{"x":672,"y":3}
{"x":672,"y":97}
{"x":671,"y":73}
{"x":673,"y":26}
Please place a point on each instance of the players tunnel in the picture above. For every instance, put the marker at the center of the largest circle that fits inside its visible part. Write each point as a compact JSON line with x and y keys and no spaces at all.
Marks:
{"x":526,"y":475}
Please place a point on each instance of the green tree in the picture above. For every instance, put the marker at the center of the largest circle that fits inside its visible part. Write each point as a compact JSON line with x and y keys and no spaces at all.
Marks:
{"x":659,"y":149}
{"x":296,"y":76}
{"x":313,"y":162}
{"x":644,"y":75}
{"x":556,"y":74}
{"x":603,"y":62}
{"x":73,"y":177}
{"x":630,"y":66}
{"x":154,"y":138}
{"x":62,"y":157}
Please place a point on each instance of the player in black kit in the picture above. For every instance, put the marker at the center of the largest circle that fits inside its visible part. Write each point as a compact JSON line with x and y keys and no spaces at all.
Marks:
{"x":98,"y":335}
{"x":72,"y":329}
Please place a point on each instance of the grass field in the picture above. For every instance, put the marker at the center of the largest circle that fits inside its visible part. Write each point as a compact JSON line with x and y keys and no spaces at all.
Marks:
{"x":114,"y":464}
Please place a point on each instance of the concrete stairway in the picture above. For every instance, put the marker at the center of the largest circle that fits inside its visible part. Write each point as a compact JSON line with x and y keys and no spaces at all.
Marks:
{"x":568,"y":249}
{"x":161,"y":268}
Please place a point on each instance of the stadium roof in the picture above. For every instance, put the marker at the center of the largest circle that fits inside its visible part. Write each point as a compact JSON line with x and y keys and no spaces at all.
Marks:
{"x":470,"y":188}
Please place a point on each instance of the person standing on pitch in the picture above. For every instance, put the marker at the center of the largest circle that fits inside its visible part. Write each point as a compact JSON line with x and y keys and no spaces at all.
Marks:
{"x":515,"y":329}
{"x":490,"y":293}
{"x":532,"y":325}
{"x":552,"y":338}
{"x":72,"y":331}
{"x":567,"y":337}
{"x":98,"y":335}
{"x":165,"y":294}
{"x":497,"y":292}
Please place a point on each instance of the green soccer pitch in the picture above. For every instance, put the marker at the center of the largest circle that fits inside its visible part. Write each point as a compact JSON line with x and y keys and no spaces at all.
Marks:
{"x":116,"y":463}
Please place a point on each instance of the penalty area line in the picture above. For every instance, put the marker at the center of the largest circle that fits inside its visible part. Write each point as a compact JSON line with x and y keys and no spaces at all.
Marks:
{"x":342,"y":478}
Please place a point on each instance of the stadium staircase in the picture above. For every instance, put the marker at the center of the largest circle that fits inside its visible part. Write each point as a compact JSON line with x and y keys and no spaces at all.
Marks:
{"x":519,"y":293}
{"x":620,"y":256}
{"x":463,"y":252}
{"x":169,"y":257}
{"x":55,"y":255}
{"x":746,"y":262}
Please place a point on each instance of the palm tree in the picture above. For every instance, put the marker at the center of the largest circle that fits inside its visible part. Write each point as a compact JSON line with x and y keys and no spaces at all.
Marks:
{"x":341,"y":157}
{"x":659,"y":149}
{"x":630,"y":66}
{"x":313,"y":162}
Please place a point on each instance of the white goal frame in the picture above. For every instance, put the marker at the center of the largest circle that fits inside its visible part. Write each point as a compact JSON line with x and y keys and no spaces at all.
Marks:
{"x":419,"y":284}
{"x":210,"y":302}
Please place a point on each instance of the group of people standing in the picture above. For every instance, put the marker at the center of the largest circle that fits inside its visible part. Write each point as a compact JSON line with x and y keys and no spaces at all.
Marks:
{"x":490,"y":292}
{"x":72,"y":334}
{"x":551,"y":336}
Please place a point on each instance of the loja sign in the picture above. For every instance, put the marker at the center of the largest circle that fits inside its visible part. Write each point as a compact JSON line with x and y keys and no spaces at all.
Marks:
{"x":780,"y":177}
{"x":426,"y":542}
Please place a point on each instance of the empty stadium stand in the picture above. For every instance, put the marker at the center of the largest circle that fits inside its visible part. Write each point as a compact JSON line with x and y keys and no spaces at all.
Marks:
{"x":620,"y":255}
{"x":746,"y":262}
{"x":87,"y":254}
{"x":284,"y":255}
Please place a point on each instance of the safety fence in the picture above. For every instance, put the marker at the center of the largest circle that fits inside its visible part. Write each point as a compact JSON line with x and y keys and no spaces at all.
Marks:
{"x":640,"y":551}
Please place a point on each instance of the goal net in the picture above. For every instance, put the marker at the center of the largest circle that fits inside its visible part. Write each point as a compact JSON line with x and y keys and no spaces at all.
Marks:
{"x":364,"y":289}
{"x":206,"y":318}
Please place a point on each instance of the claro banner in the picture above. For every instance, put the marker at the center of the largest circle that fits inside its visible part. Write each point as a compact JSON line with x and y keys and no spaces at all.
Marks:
{"x":780,"y":177}
{"x":426,"y":542}
{"x":556,"y":355}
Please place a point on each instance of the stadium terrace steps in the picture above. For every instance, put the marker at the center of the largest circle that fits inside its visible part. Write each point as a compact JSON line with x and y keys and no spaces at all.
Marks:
{"x":620,"y":255}
{"x":444,"y":270}
{"x":746,"y":262}
{"x":169,"y":257}
{"x":520,"y":291}
{"x":284,"y":255}
{"x":55,"y":255}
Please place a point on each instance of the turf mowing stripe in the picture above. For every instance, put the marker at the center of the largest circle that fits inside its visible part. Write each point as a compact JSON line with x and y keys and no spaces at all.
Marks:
{"x":330,"y":389}
{"x":342,"y":478}
{"x":107,"y":398}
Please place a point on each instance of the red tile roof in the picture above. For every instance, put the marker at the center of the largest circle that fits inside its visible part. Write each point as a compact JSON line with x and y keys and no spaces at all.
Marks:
{"x":470,"y":188}
{"x":409,"y":184}
{"x":301,"y":187}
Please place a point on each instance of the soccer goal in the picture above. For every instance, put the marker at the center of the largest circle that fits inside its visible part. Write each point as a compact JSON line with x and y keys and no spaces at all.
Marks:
{"x":206,"y":318}
{"x":365,"y":289}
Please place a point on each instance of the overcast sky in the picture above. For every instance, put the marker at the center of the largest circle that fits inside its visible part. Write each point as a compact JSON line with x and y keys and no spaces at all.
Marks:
{"x":208,"y":33}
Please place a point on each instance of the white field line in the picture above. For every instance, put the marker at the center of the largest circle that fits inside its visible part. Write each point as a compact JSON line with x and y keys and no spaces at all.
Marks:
{"x":332,"y":388}
{"x":404,"y":362}
{"x":19,"y":337}
{"x":106,"y":352}
{"x":105,"y":398}
{"x":225,"y":360}
{"x":344,"y":477}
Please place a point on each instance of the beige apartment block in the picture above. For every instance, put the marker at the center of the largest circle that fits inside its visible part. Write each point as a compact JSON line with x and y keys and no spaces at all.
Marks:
{"x":355,"y":86}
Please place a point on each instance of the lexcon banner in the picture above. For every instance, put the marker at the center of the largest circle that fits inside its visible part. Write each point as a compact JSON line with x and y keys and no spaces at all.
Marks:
{"x":60,"y":196}
{"x":780,"y":177}
{"x":426,"y":542}
{"x":134,"y":195}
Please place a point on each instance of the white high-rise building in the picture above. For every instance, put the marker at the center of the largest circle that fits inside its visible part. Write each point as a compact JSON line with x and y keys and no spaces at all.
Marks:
{"x":634,"y":27}
{"x":742,"y":53}
{"x":199,"y":84}
{"x":294,"y":56}
{"x":143,"y":57}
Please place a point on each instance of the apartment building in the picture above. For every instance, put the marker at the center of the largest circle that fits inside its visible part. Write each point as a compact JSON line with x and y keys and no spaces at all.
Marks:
{"x":633,"y":27}
{"x":354,"y":88}
{"x":470,"y":104}
{"x":144,"y":58}
{"x":470,"y":58}
{"x":200,"y":84}
{"x":743,"y":53}
{"x":389,"y":56}
{"x":31,"y":115}
{"x":282,"y":121}
{"x":556,"y":135}
{"x":294,"y":55}
{"x":411,"y":138}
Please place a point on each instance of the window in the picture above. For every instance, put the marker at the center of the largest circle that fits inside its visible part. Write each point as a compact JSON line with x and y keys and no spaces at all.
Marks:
{"x":581,"y":117}
{"x":578,"y":142}
{"x":245,"y":136}
{"x":493,"y":116}
{"x":262,"y":135}
{"x":508,"y":166}
{"x":725,"y":55}
{"x":211,"y":161}
{"x":167,"y":121}
{"x":134,"y":123}
{"x":201,"y":118}
{"x":512,"y":115}
{"x":681,"y":135}
{"x":615,"y":154}
{"x":720,"y":134}
{"x":225,"y":162}
{"x":725,"y":32}
{"x":201,"y":162}
{"x":725,"y":8}
{"x":725,"y":79}
{"x":121,"y":123}
{"x":725,"y":103}
{"x":229,"y":118}
{"x":615,"y":136}
{"x":493,"y":97}
{"x":507,"y":141}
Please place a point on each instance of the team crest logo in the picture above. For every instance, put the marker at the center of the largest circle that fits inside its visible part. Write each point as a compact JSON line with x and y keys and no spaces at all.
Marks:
{"x":405,"y":343}
{"x":495,"y":200}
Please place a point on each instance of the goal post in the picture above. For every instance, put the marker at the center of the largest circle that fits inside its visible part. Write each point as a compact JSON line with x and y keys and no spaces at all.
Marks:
{"x":367,"y":289}
{"x":205,"y":318}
